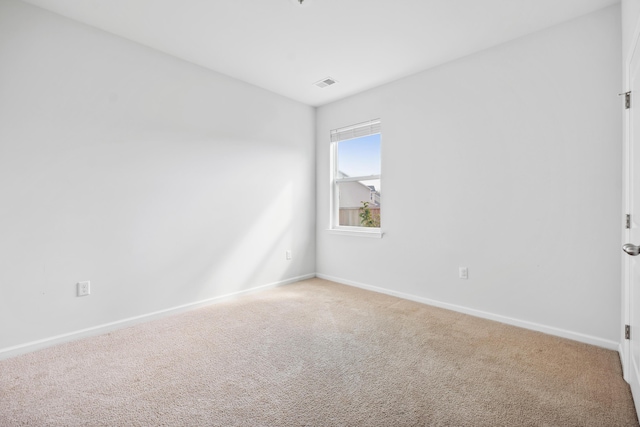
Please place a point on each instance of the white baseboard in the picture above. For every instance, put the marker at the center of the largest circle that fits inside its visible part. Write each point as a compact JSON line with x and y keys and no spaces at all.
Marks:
{"x":108,"y":327}
{"x":576,"y":336}
{"x":8,"y":352}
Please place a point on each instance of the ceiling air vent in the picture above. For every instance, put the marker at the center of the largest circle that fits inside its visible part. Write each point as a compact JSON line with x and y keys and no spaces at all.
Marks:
{"x":325,"y":82}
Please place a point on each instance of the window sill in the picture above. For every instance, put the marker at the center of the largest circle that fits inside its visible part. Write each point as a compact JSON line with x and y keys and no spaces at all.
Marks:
{"x":377,"y":234}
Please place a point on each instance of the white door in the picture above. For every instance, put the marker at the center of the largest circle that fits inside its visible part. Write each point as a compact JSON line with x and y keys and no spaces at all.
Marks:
{"x":632,"y":262}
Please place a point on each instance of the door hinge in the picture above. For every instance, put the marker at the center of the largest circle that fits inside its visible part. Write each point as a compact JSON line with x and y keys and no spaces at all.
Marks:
{"x":627,"y":332}
{"x":627,"y":99}
{"x":628,"y":223}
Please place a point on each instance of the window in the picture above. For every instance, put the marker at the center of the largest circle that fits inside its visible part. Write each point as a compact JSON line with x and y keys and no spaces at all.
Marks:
{"x":355,"y":178}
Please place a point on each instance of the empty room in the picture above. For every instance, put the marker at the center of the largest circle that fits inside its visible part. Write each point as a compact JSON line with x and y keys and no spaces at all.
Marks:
{"x":319,"y":213}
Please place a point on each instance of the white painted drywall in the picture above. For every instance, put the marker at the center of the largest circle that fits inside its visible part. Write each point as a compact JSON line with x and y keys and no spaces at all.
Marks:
{"x":159,"y":181}
{"x":515,"y":152}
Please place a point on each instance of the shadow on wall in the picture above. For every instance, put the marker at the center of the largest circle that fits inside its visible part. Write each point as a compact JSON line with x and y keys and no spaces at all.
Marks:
{"x":259,"y":252}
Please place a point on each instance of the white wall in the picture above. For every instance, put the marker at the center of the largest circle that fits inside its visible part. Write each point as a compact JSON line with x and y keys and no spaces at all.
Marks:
{"x":159,"y":181}
{"x":517,"y":152}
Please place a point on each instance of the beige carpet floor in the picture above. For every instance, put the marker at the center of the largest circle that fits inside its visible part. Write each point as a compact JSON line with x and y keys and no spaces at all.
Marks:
{"x":316,"y":353}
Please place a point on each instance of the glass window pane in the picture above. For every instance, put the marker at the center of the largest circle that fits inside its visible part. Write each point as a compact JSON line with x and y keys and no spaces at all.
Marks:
{"x":359,"y":203}
{"x":359,"y":156}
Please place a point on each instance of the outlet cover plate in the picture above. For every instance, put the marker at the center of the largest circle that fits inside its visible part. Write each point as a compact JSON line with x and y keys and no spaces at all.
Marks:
{"x":84,"y":288}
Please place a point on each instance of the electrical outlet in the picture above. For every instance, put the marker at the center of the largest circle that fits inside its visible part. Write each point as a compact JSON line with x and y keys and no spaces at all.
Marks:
{"x":288,"y":254}
{"x":84,"y":288}
{"x":463,"y":272}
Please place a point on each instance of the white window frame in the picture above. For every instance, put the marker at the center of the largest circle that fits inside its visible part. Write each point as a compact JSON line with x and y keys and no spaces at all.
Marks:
{"x":371,"y":127}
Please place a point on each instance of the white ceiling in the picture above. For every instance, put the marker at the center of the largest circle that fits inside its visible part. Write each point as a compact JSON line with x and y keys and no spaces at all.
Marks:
{"x":285,"y":48}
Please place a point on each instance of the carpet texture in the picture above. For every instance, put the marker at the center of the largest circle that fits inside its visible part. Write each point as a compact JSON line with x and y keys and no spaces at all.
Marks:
{"x":316,"y":353}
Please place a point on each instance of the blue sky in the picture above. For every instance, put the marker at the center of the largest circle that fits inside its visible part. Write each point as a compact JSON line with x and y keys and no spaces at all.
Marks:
{"x":360,"y":156}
